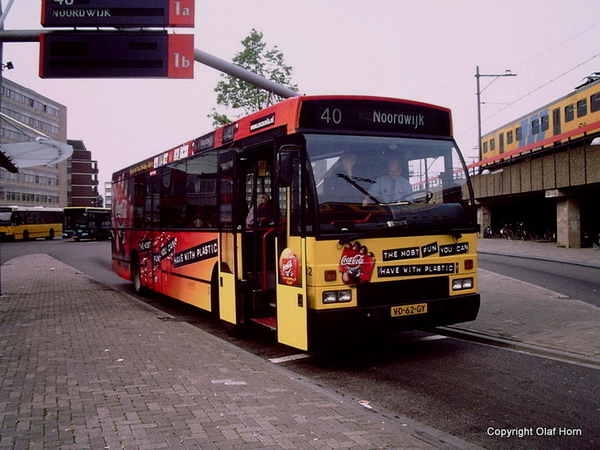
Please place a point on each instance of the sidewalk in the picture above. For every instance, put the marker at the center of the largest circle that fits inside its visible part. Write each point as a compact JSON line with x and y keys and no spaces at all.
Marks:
{"x":524,"y":313}
{"x":87,"y":367}
{"x":540,"y":250}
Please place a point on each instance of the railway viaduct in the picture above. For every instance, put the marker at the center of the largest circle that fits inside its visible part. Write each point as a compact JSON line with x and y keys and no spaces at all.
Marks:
{"x":555,"y":189}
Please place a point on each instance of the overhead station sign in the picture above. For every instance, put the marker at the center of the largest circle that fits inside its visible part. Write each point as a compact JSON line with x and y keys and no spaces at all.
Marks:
{"x":118,"y":13}
{"x":116,"y":54}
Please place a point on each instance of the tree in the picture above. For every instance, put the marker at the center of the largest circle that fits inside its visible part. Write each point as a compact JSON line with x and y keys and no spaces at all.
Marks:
{"x":242,"y":98}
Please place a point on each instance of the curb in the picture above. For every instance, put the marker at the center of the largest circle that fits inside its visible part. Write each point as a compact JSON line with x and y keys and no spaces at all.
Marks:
{"x":540,"y":258}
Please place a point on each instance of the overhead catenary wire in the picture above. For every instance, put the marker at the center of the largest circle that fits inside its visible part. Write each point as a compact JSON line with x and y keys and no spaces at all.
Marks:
{"x":544,"y":85}
{"x":528,"y":61}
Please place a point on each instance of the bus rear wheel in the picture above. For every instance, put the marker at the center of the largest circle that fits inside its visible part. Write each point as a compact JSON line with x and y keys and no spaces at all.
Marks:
{"x":136,"y":275}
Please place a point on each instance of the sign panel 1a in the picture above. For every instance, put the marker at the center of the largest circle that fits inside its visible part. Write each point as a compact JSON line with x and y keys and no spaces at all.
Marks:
{"x":76,"y":54}
{"x":117,"y":13}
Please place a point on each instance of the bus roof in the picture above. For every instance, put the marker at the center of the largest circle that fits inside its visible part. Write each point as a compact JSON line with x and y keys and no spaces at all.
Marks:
{"x":71,"y":208}
{"x":324,"y":114}
{"x":5,"y":208}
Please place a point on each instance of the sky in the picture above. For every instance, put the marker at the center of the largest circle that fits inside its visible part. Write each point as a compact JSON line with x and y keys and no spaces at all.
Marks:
{"x":425,"y":51}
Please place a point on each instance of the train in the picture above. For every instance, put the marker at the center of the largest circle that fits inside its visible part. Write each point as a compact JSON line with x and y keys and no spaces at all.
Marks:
{"x":568,"y":118}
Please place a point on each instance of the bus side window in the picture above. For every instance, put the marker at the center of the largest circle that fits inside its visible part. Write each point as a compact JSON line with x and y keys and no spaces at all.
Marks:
{"x":201,"y":191}
{"x":173,"y":195}
{"x":138,"y":201}
{"x":298,"y":204}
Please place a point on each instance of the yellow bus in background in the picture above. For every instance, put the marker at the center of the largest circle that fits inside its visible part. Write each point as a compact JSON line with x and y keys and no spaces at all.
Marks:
{"x":27,"y":222}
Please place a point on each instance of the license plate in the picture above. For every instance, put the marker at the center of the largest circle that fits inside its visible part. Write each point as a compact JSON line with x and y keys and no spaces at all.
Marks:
{"x":409,"y":310}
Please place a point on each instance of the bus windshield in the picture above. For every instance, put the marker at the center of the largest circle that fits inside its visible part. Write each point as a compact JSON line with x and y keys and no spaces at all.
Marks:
{"x":75,"y":217}
{"x":366,"y":183}
{"x":5,"y":216}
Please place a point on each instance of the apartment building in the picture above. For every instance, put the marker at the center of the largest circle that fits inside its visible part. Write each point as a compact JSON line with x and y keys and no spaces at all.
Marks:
{"x":82,"y":176}
{"x":27,"y":115}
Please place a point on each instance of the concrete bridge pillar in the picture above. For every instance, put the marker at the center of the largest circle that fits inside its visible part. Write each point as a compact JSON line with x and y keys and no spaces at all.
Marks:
{"x":568,"y":222}
{"x":484,"y":218}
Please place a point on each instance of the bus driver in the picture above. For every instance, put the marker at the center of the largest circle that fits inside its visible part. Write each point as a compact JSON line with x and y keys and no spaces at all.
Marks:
{"x":392,"y":187}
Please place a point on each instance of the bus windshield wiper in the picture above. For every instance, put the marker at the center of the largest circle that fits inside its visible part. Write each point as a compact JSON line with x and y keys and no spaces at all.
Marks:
{"x":353,"y":182}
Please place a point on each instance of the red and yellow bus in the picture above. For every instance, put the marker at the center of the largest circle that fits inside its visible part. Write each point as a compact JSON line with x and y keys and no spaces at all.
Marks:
{"x":332,"y":253}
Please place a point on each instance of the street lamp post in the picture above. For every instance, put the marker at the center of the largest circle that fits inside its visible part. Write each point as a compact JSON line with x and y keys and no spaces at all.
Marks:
{"x":478,"y":75}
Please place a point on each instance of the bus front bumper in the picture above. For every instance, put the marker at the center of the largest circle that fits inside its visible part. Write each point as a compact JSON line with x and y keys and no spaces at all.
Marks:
{"x":377,"y":319}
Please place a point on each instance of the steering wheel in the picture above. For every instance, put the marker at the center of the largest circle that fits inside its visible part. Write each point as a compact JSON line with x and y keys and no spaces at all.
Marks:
{"x":424,"y":196}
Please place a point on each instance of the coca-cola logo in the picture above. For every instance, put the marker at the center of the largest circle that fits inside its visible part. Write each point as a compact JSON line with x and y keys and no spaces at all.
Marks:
{"x":352,"y":261}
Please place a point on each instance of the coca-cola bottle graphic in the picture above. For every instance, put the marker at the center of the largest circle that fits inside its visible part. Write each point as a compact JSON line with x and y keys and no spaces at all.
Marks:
{"x":289,"y":268}
{"x":356,"y":264}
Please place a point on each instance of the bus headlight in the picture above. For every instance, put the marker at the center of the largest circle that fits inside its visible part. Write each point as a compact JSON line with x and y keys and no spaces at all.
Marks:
{"x":344,"y":296}
{"x":460,"y":284}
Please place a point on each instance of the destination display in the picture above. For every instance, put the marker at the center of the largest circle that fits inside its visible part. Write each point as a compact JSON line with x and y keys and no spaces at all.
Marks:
{"x":117,"y":13}
{"x":116,"y":55}
{"x":373,"y":115}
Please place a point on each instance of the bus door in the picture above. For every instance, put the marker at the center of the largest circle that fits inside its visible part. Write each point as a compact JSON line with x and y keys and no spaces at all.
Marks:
{"x":146,"y":255}
{"x":292,"y":301}
{"x":259,"y":222}
{"x":230,"y":310}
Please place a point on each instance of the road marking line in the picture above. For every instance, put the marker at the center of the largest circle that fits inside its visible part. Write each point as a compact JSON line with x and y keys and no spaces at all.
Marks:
{"x":290,"y":358}
{"x":435,"y":337}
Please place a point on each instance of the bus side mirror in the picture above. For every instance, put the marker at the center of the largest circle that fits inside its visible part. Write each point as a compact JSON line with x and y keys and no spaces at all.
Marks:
{"x":287,"y":155}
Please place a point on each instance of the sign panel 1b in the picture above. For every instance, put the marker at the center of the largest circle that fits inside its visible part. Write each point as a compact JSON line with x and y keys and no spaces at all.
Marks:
{"x":116,"y":55}
{"x":118,"y":13}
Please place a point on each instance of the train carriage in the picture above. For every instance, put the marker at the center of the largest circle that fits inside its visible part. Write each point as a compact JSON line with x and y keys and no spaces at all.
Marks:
{"x":571,"y":117}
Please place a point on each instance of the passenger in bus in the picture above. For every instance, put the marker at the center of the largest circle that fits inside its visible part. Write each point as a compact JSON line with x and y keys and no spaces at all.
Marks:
{"x":392,"y":187}
{"x":263,"y":215}
{"x":198,"y":222}
{"x":205,"y":217}
{"x":337,"y":183}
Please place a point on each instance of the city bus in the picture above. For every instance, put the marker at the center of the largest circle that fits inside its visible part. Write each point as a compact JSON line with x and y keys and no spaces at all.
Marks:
{"x":85,"y":222}
{"x":30,"y":222}
{"x":334,"y":255}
